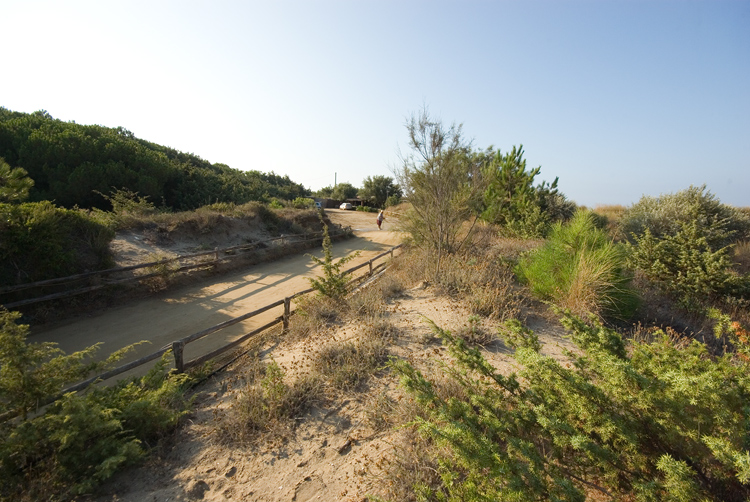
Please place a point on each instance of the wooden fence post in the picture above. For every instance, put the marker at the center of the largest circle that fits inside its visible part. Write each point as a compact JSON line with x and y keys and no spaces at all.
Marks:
{"x":177,"y":349}
{"x":370,"y":263}
{"x":287,"y":310}
{"x":216,"y":253}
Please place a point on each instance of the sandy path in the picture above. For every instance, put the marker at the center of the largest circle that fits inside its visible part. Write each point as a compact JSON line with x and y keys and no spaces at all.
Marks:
{"x":182,"y":312}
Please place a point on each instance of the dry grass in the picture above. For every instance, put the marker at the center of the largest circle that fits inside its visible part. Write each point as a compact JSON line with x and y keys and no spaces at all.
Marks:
{"x":266,"y":405}
{"x":315,"y":314}
{"x":474,"y":333}
{"x":411,"y":463}
{"x":611,"y":214}
{"x":217,"y":217}
{"x":345,"y":366}
{"x":412,"y":467}
{"x":481,"y":277}
{"x":371,"y":300}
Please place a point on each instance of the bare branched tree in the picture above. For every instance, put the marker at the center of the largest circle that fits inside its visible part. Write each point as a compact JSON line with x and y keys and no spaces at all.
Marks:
{"x":442,"y":182}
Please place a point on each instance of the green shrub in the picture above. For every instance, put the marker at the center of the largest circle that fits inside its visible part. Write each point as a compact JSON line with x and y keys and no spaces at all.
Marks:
{"x":685,"y":265}
{"x":303,"y":203}
{"x":580,"y":268}
{"x":275,"y":204}
{"x":41,"y":241}
{"x":81,"y":439}
{"x":668,"y":214}
{"x":683,"y":242}
{"x":512,"y":201}
{"x":393,"y":200}
{"x":367,"y":209}
{"x":655,"y":422}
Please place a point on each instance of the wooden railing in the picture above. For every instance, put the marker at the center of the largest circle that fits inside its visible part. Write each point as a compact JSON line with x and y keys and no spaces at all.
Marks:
{"x":99,"y":275}
{"x":178,"y":346}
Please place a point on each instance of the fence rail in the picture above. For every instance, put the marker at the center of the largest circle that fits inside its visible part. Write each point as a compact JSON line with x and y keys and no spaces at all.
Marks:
{"x":101,"y":274}
{"x":178,"y":346}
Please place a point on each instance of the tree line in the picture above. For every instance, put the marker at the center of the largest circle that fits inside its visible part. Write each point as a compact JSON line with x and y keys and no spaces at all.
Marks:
{"x":73,"y":164}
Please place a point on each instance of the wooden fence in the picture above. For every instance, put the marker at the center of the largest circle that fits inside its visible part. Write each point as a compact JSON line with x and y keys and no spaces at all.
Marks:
{"x":100,"y":275}
{"x":178,"y":346}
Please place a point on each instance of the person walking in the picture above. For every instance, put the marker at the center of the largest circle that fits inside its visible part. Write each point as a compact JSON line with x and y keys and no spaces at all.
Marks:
{"x":380,"y":219}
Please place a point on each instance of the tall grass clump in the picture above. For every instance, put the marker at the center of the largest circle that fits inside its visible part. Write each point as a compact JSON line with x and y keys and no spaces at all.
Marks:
{"x":582,"y":269}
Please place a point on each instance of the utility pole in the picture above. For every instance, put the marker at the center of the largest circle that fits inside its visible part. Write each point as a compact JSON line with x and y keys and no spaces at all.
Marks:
{"x":334,"y":180}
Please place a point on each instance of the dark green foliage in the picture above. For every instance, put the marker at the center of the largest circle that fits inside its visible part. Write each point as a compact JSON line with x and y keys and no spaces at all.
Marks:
{"x":39,"y":240}
{"x":341,"y":191}
{"x":14,"y":184}
{"x":580,"y":268}
{"x":683,"y":243}
{"x":81,"y":439}
{"x":376,"y":190}
{"x":70,"y":163}
{"x":656,"y":422}
{"x":367,"y":209}
{"x":512,"y":201}
{"x":685,"y":265}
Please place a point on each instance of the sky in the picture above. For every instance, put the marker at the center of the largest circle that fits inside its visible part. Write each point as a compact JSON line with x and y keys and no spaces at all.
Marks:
{"x":617,"y":99}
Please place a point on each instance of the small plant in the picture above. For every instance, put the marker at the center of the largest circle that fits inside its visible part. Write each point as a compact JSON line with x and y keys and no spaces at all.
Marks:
{"x":303,"y":203}
{"x":275,"y":204}
{"x":346,"y":365}
{"x":333,"y":282}
{"x":474,"y":334}
{"x":159,"y":274}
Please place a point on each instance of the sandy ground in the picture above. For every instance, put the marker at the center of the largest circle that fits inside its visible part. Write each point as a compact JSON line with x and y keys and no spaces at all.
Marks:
{"x":175,"y":314}
{"x":336,"y":451}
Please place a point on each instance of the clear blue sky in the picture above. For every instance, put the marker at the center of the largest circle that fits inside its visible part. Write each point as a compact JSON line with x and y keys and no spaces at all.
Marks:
{"x":616,"y":98}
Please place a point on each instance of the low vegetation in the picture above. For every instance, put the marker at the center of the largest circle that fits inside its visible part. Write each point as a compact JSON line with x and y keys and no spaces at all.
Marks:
{"x":645,"y":421}
{"x":39,"y":240}
{"x":80,"y":440}
{"x":685,"y":242}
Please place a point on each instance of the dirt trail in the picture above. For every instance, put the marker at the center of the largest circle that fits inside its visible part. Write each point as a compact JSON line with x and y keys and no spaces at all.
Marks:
{"x":177,"y":313}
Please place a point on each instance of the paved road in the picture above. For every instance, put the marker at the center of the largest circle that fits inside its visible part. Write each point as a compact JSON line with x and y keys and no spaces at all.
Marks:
{"x":178,"y":313}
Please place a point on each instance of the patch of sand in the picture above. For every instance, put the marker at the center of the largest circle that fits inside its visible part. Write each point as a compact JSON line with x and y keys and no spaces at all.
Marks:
{"x":334,"y":452}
